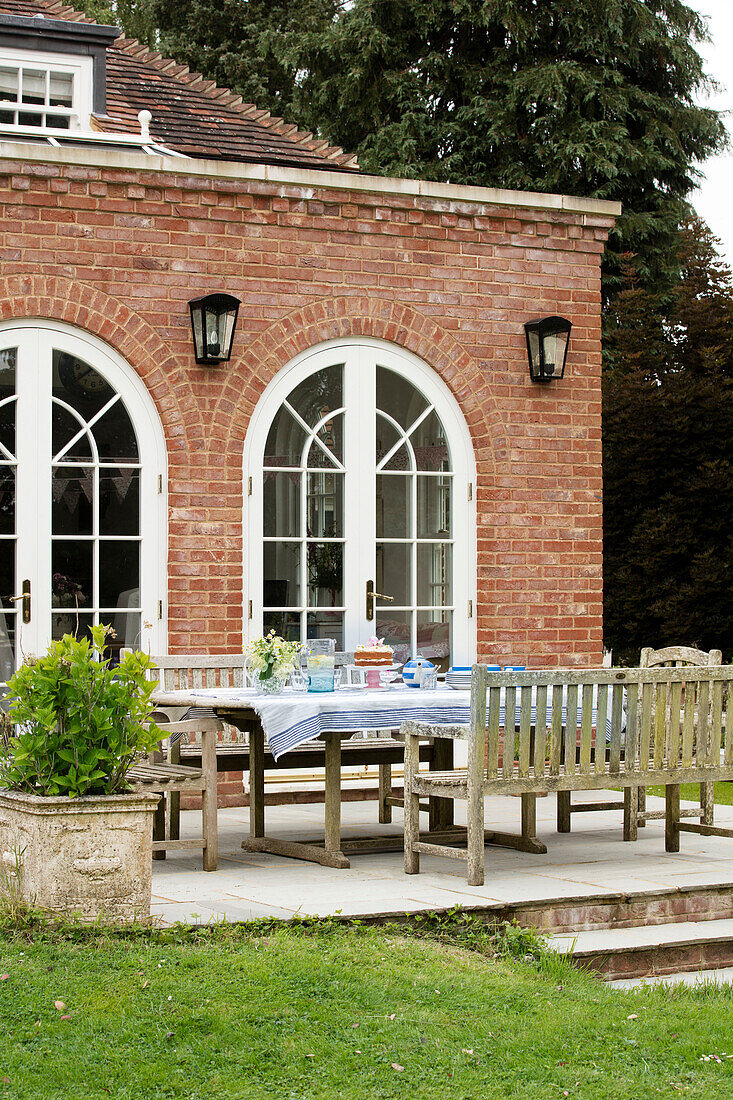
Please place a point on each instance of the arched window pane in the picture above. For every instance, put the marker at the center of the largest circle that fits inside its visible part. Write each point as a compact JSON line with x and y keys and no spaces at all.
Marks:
{"x":64,"y":427}
{"x":318,"y":394}
{"x":285,"y":441}
{"x":398,"y":397}
{"x":115,"y":435}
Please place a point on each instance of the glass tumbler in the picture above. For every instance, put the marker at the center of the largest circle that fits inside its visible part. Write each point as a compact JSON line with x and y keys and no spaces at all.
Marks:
{"x":318,"y":661}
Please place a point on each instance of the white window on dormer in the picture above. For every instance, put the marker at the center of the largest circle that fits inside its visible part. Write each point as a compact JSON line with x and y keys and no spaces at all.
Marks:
{"x":44,"y":92}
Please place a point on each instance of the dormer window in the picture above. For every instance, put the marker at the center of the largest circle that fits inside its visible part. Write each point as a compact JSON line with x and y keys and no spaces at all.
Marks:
{"x":44,"y":92}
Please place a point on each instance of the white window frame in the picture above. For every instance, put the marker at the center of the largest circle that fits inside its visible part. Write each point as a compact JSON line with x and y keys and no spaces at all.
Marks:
{"x":80,"y":68}
{"x":153,"y":478}
{"x":426,"y":379}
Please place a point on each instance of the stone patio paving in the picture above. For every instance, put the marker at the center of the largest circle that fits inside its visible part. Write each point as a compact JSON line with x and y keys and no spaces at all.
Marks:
{"x":591,"y":861}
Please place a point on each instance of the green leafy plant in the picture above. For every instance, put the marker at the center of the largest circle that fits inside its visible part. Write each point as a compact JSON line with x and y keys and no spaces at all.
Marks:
{"x":79,"y":724}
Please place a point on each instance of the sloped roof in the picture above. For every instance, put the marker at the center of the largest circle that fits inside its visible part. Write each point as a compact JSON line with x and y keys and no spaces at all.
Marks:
{"x":191,"y":115}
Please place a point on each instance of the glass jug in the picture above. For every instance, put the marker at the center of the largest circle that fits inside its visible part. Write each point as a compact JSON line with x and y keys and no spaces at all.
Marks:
{"x":318,"y":661}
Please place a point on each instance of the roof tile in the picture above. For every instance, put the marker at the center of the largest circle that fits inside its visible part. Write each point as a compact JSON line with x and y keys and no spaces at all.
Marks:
{"x":191,"y":115}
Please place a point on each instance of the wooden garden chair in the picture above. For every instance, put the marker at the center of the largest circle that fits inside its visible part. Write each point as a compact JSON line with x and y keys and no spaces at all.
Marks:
{"x":680,"y":657}
{"x":164,"y":774}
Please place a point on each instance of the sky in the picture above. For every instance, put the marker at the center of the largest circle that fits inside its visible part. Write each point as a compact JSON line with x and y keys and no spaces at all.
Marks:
{"x":714,"y":199}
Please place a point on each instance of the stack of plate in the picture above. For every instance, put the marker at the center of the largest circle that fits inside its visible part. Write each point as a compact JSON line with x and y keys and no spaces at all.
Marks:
{"x":458,"y":678}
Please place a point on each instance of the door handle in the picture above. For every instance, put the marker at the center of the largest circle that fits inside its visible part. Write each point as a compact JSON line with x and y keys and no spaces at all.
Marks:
{"x":25,"y":600}
{"x":371,"y":596}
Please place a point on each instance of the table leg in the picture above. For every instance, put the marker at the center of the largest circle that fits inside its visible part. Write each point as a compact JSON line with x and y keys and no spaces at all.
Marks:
{"x":441,"y":810}
{"x":329,"y":855}
{"x":333,"y":792}
{"x":256,"y":780}
{"x":385,"y":793}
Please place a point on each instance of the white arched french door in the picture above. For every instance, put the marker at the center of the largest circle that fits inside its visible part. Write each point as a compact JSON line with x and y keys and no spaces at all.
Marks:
{"x":359,"y":467}
{"x":82,"y":463}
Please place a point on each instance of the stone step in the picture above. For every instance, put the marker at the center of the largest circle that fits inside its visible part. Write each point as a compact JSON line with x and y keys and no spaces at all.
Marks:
{"x":651,"y":950}
{"x":619,"y":909}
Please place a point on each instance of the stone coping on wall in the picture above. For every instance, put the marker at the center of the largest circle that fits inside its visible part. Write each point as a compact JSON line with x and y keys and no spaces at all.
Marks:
{"x":94,"y":157}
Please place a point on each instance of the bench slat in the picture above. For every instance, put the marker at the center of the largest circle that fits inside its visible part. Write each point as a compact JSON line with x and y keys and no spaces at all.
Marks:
{"x":688,"y":726}
{"x":525,"y":729}
{"x":556,"y":728}
{"x":510,"y":722}
{"x":716,"y":724}
{"x":702,"y":742}
{"x":645,"y":733}
{"x":631,"y":747}
{"x":586,"y":729}
{"x":661,"y":704}
{"x":492,"y":757}
{"x":570,"y":736}
{"x":673,"y":725}
{"x":540,"y":732}
{"x":617,"y":717}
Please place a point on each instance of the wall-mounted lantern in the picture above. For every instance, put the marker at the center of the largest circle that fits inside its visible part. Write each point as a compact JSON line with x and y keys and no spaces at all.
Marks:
{"x":212,"y":321}
{"x":547,"y":347}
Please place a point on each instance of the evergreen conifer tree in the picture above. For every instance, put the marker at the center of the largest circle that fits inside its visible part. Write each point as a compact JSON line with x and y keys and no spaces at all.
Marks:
{"x":668,"y":459}
{"x":581,"y":97}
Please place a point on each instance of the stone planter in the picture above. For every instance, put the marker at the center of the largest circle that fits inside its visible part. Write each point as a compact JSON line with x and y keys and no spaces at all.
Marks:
{"x":88,"y":856}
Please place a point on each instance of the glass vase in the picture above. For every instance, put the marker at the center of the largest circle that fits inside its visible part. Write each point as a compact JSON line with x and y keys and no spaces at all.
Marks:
{"x":271,"y":685}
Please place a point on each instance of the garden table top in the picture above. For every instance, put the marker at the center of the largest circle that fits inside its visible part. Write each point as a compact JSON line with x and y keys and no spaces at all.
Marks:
{"x":294,"y":718}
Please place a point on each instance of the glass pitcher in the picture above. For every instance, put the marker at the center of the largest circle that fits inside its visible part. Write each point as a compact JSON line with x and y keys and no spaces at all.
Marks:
{"x":318,"y":660}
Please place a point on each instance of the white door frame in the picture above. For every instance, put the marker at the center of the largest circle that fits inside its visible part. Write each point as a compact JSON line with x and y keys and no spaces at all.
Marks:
{"x":425,"y":379}
{"x":40,"y":336}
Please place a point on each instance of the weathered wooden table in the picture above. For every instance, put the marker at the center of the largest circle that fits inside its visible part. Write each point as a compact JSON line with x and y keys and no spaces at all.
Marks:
{"x":330,"y":747}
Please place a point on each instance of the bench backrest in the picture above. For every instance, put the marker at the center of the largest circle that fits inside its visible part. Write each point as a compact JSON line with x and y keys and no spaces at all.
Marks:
{"x":679,"y":656}
{"x":568,"y":721}
{"x":185,"y":670}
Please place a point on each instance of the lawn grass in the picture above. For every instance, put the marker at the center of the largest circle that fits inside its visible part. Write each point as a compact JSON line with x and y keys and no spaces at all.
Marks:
{"x":691,"y":792}
{"x":329,"y":1010}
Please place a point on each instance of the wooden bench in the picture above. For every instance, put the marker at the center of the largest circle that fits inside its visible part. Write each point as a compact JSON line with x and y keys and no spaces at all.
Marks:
{"x":669,"y":657}
{"x":651,"y":726}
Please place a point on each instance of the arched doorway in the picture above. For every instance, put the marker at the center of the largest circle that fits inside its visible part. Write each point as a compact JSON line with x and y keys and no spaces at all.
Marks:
{"x":359,"y":469}
{"x":82,"y":513}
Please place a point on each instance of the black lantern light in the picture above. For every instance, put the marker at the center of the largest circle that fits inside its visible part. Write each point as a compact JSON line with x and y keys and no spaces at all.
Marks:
{"x":547,"y":347}
{"x":212,"y":320}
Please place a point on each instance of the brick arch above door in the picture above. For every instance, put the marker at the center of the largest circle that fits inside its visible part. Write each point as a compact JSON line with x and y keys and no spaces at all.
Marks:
{"x":378,"y":318}
{"x":27,"y":296}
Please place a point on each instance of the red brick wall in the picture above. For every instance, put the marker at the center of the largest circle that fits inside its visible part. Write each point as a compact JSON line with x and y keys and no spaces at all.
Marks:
{"x":120,"y":253}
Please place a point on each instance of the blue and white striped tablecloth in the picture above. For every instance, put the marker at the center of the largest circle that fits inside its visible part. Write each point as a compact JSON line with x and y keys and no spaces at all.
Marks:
{"x":295,"y":718}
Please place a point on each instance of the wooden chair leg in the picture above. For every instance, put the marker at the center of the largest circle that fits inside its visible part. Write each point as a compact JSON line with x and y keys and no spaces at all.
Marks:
{"x":441,"y":811}
{"x":159,"y":826}
{"x":475,"y":838}
{"x":385,"y":791}
{"x":631,"y":812}
{"x":707,"y":803}
{"x":209,"y":800}
{"x":411,"y":807}
{"x":641,"y":805}
{"x":563,"y":811}
{"x":672,"y":818}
